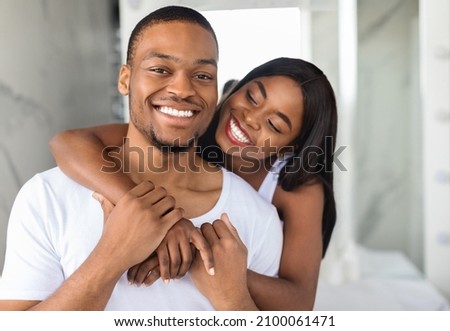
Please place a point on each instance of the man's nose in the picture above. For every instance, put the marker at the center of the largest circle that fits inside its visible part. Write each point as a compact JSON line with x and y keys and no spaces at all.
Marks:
{"x":181,"y":86}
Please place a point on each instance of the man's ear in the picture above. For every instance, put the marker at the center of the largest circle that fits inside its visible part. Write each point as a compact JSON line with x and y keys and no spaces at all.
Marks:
{"x":124,"y":79}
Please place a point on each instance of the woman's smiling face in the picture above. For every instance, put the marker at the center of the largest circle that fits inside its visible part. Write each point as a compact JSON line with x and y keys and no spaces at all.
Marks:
{"x":261,"y":118}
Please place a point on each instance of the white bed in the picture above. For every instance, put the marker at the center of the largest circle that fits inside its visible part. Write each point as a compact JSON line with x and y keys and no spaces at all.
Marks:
{"x":388,"y":281}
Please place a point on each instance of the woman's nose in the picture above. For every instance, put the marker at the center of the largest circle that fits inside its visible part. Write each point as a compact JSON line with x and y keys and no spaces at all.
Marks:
{"x":251,"y":118}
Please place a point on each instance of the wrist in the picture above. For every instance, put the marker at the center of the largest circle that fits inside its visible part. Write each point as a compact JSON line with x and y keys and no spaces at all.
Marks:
{"x":241,"y":302}
{"x":105,"y":265}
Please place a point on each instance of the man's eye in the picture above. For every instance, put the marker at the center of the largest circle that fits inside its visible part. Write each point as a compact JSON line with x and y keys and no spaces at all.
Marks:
{"x":158,"y":70}
{"x":203,"y":77}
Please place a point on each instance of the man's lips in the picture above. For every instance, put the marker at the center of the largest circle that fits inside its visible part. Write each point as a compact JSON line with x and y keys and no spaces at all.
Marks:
{"x":236,"y":133}
{"x":179,"y":113}
{"x":176,"y":112}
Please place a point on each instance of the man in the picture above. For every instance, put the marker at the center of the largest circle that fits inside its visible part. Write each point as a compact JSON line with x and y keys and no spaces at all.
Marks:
{"x":60,"y":255}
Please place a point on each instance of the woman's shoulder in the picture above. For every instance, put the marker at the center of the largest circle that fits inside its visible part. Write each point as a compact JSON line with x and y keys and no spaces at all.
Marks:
{"x":311,"y":194}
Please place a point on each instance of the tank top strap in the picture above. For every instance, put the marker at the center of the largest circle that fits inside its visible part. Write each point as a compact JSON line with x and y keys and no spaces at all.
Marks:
{"x":269,"y":184}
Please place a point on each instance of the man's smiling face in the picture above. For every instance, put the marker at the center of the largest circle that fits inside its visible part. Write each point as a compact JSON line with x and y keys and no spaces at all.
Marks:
{"x":172,"y":83}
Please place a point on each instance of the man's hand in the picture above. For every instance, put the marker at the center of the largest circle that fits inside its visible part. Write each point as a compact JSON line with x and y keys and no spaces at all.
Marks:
{"x":174,"y":256}
{"x":227,"y":289}
{"x":137,"y":225}
{"x":107,"y":206}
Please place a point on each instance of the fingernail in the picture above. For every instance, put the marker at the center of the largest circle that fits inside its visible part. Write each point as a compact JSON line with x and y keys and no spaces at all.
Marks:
{"x":166,"y":281}
{"x":212,"y":272}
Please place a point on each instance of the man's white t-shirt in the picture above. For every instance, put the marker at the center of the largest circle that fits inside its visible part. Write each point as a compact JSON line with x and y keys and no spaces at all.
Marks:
{"x":55,"y":224}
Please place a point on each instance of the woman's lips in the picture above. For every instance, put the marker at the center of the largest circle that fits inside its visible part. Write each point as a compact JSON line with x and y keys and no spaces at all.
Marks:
{"x":236,"y":134}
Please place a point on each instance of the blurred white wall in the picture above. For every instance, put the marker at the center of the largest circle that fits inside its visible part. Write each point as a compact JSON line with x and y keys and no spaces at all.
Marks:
{"x":55,"y":65}
{"x":267,"y":24}
{"x":387,"y":131}
{"x":435,"y":88}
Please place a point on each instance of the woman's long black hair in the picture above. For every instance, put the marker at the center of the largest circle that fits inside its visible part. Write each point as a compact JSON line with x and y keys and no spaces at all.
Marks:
{"x":312,"y":160}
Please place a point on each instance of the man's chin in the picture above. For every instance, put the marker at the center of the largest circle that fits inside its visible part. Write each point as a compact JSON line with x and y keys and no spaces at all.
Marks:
{"x":174,"y":147}
{"x":171,"y":145}
{"x":170,"y":149}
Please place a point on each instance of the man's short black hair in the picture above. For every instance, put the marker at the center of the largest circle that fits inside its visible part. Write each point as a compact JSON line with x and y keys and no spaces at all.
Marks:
{"x":164,"y":15}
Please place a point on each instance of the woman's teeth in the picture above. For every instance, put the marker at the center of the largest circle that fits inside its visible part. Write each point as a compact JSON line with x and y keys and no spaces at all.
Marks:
{"x":175,"y":112}
{"x":238,"y":134}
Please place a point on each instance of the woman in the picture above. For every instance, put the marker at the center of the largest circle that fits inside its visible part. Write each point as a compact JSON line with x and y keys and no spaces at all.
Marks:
{"x":275,"y":129}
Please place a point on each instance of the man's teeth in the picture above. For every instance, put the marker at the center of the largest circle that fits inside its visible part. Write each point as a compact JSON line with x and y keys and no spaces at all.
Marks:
{"x":175,"y":112}
{"x":238,"y":134}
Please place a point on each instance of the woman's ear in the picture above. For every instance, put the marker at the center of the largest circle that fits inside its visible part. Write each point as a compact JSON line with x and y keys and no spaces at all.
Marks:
{"x":124,"y":79}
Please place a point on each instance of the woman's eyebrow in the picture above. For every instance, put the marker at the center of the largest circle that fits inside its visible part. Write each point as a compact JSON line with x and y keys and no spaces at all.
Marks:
{"x":285,"y":119}
{"x":261,"y":88}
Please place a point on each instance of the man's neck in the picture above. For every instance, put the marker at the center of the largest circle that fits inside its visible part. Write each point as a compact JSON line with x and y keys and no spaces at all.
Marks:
{"x":194,"y":183}
{"x":143,"y":161}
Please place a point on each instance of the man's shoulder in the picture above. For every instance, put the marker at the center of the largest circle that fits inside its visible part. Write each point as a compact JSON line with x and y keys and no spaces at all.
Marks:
{"x":52,"y":181}
{"x":53,"y":176}
{"x":51,"y":194}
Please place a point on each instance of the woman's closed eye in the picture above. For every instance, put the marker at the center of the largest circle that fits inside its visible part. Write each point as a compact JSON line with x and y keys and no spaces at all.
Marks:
{"x":250,"y":98}
{"x":273,"y":126}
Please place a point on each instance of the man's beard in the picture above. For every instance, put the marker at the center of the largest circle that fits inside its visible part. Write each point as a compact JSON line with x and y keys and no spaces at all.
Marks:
{"x":164,"y":147}
{"x":167,"y":148}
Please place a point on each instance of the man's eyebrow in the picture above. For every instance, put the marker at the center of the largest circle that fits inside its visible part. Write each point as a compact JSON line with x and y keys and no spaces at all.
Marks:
{"x":176,"y":59}
{"x":212,"y":62}
{"x":285,"y":119}
{"x":161,"y":56}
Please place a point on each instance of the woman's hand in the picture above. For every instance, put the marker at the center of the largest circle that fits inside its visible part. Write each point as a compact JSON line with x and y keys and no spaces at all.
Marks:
{"x":173,"y":257}
{"x":227,"y":289}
